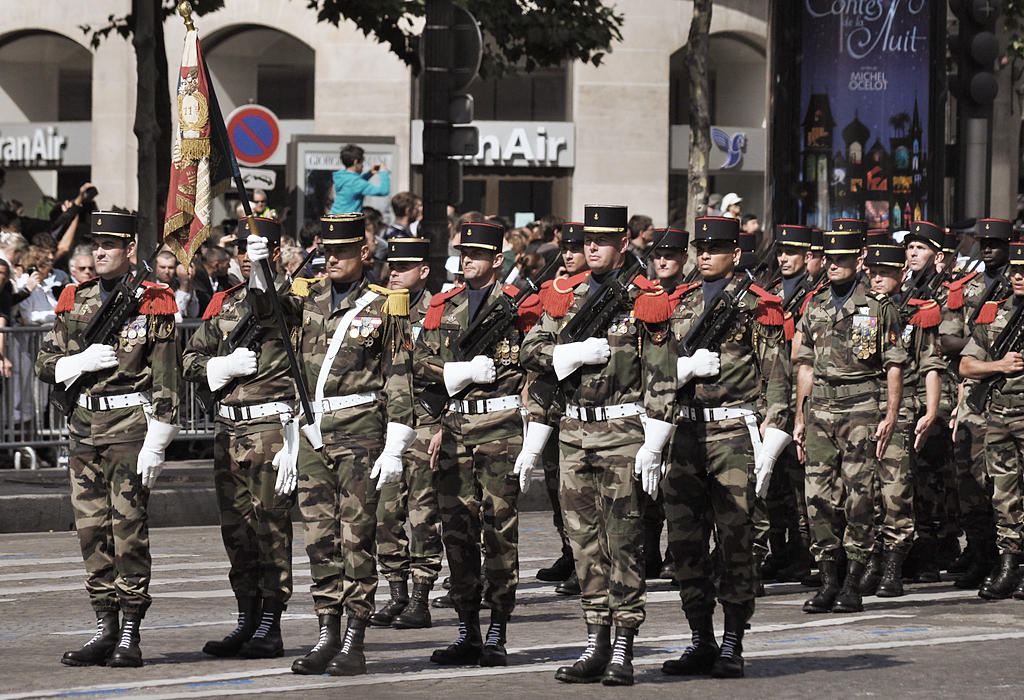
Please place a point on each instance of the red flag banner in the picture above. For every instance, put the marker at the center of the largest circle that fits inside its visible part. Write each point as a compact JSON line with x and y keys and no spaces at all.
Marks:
{"x":200,"y":158}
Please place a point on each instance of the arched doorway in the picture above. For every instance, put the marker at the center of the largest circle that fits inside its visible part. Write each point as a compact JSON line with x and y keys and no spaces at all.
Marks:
{"x":45,"y":113}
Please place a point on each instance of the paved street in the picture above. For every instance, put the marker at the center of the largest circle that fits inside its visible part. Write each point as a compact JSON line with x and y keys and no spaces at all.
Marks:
{"x":935,"y":642}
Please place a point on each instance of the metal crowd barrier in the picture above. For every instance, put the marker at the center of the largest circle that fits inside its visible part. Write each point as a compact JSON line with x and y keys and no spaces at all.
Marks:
{"x":28,"y":421}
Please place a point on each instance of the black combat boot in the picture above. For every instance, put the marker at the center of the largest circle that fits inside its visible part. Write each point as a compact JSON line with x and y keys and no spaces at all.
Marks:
{"x":849,"y":599}
{"x":925,"y":553}
{"x":327,"y":646}
{"x":798,"y":561}
{"x":729,"y":663}
{"x":982,"y":562}
{"x":248,"y":620}
{"x":466,"y":648}
{"x":493,"y":653}
{"x":872,"y":574}
{"x":266,"y":642}
{"x":444,"y":601}
{"x":1019,"y":593}
{"x":394,"y":607}
{"x":619,"y":670}
{"x":825,"y":598}
{"x":668,"y":567}
{"x":700,"y":656}
{"x":891,"y":584}
{"x":127,"y":653}
{"x":96,"y":650}
{"x":417,"y":615}
{"x":963,"y":561}
{"x":1005,"y":580}
{"x":561,"y":569}
{"x":590,"y":666}
{"x":350,"y":660}
{"x":570,"y":586}
{"x":777,"y":555}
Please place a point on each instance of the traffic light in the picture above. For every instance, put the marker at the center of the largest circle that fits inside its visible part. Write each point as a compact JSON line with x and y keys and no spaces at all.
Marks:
{"x":974,"y":50}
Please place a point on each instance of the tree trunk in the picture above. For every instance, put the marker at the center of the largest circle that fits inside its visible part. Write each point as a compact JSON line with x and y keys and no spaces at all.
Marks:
{"x":700,"y":112}
{"x":146,"y":14}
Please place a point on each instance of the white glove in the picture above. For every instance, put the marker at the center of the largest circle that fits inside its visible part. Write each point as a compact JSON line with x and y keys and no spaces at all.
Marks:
{"x":537,"y":435}
{"x":389,"y":465}
{"x":151,"y":456}
{"x":775,"y":441}
{"x":649,"y":464}
{"x":221,"y":370}
{"x":703,"y":363}
{"x":568,"y":358}
{"x":256,"y":248}
{"x":459,"y":375}
{"x":94,"y":358}
{"x":287,"y":459}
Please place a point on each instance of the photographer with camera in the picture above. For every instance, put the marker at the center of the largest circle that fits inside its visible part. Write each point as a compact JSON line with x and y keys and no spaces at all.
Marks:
{"x":66,"y":224}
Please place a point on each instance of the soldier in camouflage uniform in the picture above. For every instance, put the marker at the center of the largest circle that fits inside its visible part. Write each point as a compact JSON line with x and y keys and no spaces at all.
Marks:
{"x":481,"y":430}
{"x":354,"y":345}
{"x":850,"y":349}
{"x":574,"y":261}
{"x":122,"y":423}
{"x":256,"y":405}
{"x":709,"y":396}
{"x":413,"y":498}
{"x":895,"y":479}
{"x":965,"y":300}
{"x":1004,"y":451}
{"x":598,"y":382}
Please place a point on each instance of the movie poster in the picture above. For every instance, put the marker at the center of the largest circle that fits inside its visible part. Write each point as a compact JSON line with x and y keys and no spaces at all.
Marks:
{"x":865,"y":106}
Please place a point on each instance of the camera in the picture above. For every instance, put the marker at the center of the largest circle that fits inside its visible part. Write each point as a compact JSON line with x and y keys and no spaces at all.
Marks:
{"x":89,"y":195}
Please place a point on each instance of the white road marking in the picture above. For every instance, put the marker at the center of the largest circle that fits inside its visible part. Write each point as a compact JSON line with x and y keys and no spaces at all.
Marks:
{"x":387,"y":678}
{"x":16,"y":559}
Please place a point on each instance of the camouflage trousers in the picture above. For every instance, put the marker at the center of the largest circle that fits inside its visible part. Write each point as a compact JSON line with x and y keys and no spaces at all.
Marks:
{"x":412,"y":500}
{"x":552,"y":477}
{"x":601,"y":507}
{"x":478,"y":496}
{"x":709,"y":489}
{"x":974,"y":488}
{"x":893,"y":484}
{"x":338,"y":500}
{"x":111,"y":517}
{"x":841,"y":463}
{"x":1004,"y":453}
{"x":935,"y":503}
{"x":255,"y":523}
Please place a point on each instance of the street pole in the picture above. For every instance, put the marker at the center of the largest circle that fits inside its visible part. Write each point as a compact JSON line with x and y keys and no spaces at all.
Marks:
{"x":437,"y":55}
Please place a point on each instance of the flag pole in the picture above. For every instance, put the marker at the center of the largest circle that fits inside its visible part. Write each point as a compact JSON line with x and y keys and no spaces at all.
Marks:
{"x":310,"y":430}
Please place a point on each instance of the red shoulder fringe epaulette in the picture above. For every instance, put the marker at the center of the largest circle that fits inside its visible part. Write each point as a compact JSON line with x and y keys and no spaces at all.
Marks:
{"x":803,"y":307}
{"x":432,"y":319}
{"x":769,"y":310}
{"x":158,"y":300}
{"x":557,"y":297}
{"x":217,"y":302}
{"x":652,"y":305}
{"x":529,"y":311}
{"x":955,"y":300}
{"x":928,"y":314}
{"x":67,"y":298}
{"x":988,"y":312}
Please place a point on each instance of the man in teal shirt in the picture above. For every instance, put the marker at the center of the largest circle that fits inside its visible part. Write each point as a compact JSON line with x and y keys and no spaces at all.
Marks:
{"x":351,"y":184}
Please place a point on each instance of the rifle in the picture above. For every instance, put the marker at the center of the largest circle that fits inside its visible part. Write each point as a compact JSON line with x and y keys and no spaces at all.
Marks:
{"x":1010,"y":339}
{"x":602,"y":305}
{"x":105,"y":326}
{"x":807,"y":285}
{"x":766,"y":266}
{"x":997,"y":290}
{"x":710,"y":328}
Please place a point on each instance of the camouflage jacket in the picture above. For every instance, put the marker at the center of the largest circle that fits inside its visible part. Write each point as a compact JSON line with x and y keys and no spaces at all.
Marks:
{"x":416,"y":314}
{"x":447,"y":318}
{"x":374,"y":356}
{"x":272,"y":381}
{"x":618,"y":381}
{"x":755,"y":371}
{"x":149,"y":362}
{"x":855,"y":344}
{"x":962,"y":298}
{"x":920,"y":340}
{"x":994,"y":317}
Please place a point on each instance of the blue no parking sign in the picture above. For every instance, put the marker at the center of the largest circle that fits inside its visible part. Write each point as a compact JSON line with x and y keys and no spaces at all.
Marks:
{"x":254,"y":133}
